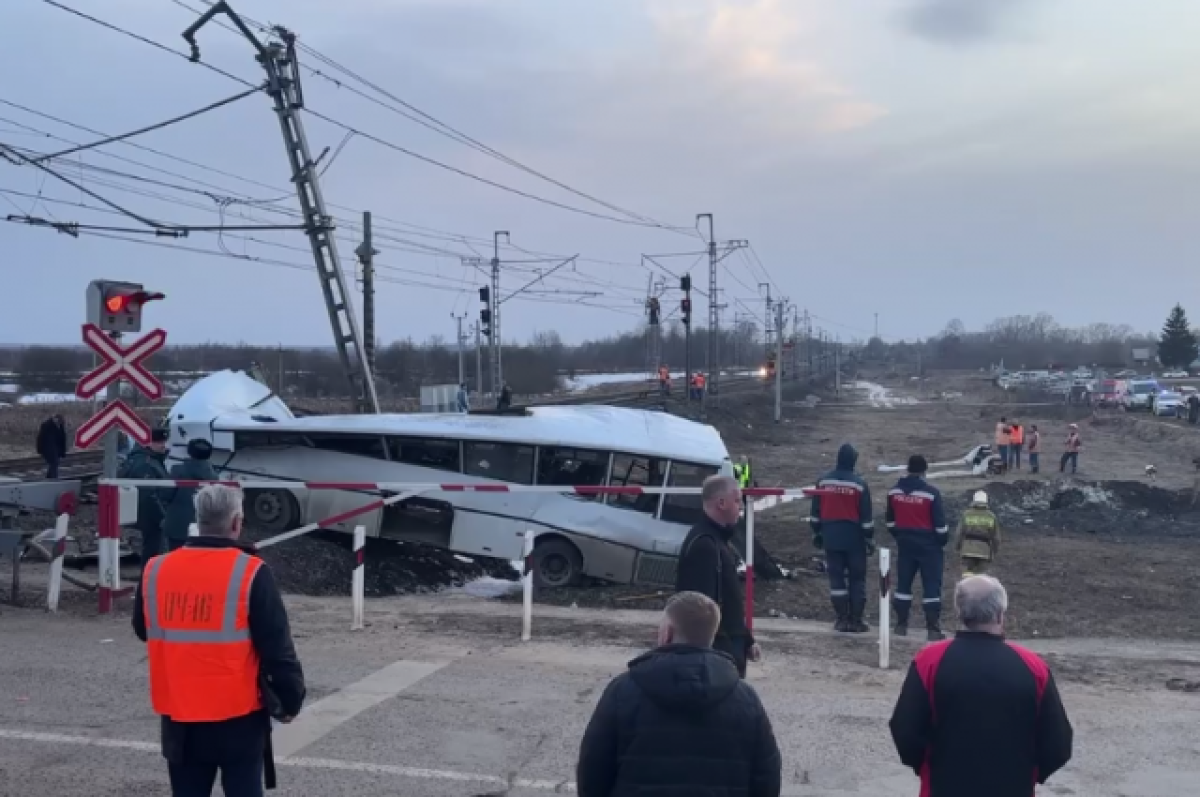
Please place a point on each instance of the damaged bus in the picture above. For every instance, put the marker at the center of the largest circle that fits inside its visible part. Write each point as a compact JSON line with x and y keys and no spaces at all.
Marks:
{"x":618,"y":538}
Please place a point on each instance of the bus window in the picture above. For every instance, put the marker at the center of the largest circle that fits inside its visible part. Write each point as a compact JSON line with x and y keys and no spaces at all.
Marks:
{"x":244,"y":440}
{"x":686,"y":508}
{"x":363,"y":445}
{"x":632,"y":471}
{"x":505,"y":462}
{"x":438,"y":454}
{"x":574,"y":467}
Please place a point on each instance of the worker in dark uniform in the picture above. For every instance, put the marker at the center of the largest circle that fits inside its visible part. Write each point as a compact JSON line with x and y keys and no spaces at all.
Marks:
{"x":52,"y":443}
{"x":1193,"y":408}
{"x":148,"y":463}
{"x":221,"y":658}
{"x":707,"y":565}
{"x":505,"y":400}
{"x":842,"y":525}
{"x":917,"y":520}
{"x":180,"y":508}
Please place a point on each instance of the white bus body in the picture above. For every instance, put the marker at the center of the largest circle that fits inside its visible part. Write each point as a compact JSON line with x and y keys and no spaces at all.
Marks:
{"x":624,"y":539}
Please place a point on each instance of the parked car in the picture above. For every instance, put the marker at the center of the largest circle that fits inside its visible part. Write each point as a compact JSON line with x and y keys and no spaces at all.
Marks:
{"x":1108,"y":395}
{"x":1138,"y":394}
{"x":1175,"y":375}
{"x":1125,"y":374}
{"x":1168,"y":403}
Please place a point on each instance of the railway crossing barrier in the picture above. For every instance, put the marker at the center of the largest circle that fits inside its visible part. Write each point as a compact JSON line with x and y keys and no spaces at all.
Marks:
{"x":762,"y":497}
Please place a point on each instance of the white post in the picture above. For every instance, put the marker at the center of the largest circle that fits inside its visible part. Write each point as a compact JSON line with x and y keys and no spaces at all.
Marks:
{"x":527,"y":584}
{"x":57,"y":551}
{"x":193,"y":530}
{"x":359,"y":582}
{"x":750,"y":562}
{"x":885,"y":608}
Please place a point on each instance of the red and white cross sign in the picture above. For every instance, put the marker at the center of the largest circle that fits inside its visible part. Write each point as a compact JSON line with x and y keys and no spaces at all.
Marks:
{"x":121,"y":362}
{"x":115,"y":414}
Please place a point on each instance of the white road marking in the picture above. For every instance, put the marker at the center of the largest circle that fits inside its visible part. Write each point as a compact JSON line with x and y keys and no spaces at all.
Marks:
{"x":343,"y":705}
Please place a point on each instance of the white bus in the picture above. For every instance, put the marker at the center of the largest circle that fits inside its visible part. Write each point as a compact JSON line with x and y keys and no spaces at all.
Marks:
{"x":619,"y":538}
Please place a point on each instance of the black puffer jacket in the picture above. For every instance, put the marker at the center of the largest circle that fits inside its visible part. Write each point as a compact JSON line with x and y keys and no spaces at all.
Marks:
{"x":680,"y":723}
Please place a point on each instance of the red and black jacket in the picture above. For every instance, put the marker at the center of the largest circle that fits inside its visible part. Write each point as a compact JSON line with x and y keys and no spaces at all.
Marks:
{"x":982,"y":717}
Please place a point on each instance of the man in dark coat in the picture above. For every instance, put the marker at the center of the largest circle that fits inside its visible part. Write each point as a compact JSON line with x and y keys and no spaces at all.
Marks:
{"x":238,"y":747}
{"x":180,"y":512}
{"x":842,"y":524}
{"x":52,"y":443}
{"x":916,"y":518}
{"x":148,"y":463}
{"x":977,"y":715}
{"x":707,"y":565}
{"x":680,"y":721}
{"x":505,"y":400}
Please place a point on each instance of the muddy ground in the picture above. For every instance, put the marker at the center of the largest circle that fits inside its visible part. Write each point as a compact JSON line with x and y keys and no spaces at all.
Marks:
{"x":1109,"y":553}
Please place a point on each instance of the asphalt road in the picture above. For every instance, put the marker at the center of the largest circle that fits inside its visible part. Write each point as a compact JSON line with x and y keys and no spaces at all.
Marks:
{"x":438,"y":698}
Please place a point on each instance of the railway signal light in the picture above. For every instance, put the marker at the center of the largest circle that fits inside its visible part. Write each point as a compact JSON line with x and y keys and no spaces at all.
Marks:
{"x":685,"y":283}
{"x":685,"y":306}
{"x":117,"y":306}
{"x":485,"y":295}
{"x":485,"y":320}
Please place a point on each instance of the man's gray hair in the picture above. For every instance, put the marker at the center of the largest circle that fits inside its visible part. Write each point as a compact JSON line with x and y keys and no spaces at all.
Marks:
{"x":980,"y":601}
{"x":216,"y":507}
{"x":717,"y":487}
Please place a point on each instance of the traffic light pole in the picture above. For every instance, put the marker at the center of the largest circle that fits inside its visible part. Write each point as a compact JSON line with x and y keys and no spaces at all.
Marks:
{"x":111,"y":437}
{"x":478,"y":363}
{"x":497,"y":365}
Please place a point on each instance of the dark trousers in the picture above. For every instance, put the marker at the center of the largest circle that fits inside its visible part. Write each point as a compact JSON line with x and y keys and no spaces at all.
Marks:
{"x":1069,"y":456}
{"x":1003,"y":452}
{"x":242,"y":778}
{"x":1033,"y":462}
{"x":847,"y":572}
{"x":152,"y":544}
{"x":736,"y":647}
{"x":52,"y":466}
{"x":928,"y":561}
{"x":1014,"y":454}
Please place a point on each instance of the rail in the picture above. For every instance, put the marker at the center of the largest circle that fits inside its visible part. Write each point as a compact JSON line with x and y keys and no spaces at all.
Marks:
{"x":70,"y":465}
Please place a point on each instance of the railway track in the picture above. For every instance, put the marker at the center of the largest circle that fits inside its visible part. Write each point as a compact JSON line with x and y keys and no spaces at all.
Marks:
{"x":76,"y":465}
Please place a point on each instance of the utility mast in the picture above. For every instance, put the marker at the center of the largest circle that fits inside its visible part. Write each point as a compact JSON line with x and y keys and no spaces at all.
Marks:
{"x":366,"y":255}
{"x":278,"y":59}
{"x":494,"y":338}
{"x":714,"y":320}
{"x":654,"y":353}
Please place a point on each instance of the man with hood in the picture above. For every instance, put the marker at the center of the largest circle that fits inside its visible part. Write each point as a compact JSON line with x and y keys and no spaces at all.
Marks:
{"x":52,"y":443}
{"x":916,"y":518}
{"x":680,"y":721}
{"x":707,"y":565}
{"x":181,"y":512}
{"x":148,"y":463}
{"x":842,"y":524}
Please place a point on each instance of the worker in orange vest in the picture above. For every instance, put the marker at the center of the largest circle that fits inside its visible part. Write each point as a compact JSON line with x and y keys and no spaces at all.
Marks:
{"x":698,"y":384}
{"x":222,"y":661}
{"x":664,"y":380}
{"x":1016,"y":439}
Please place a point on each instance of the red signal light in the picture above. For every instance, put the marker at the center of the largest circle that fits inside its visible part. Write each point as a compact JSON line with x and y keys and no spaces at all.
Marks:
{"x":117,"y":304}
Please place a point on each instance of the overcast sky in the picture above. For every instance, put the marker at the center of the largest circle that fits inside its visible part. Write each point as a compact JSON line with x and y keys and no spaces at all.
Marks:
{"x":919,"y":159}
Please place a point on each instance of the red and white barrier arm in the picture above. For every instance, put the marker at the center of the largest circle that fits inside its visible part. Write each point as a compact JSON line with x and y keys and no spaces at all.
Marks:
{"x":753,"y":492}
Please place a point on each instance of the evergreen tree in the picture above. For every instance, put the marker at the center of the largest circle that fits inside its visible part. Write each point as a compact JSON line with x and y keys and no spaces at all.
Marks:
{"x":1178,"y":347}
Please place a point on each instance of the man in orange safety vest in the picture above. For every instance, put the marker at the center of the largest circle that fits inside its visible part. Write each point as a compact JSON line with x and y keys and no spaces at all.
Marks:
{"x":222,"y":661}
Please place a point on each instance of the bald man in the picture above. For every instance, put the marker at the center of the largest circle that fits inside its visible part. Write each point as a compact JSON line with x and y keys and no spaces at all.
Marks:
{"x":707,"y":565}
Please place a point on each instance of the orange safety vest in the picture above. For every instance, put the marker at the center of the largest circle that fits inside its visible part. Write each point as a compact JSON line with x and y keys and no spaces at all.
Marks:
{"x":664,"y":375}
{"x":1018,"y":435}
{"x":203,"y":666}
{"x":699,"y":380}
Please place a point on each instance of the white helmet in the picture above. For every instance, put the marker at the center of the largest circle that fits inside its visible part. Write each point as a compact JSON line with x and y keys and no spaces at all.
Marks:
{"x":979,"y":498}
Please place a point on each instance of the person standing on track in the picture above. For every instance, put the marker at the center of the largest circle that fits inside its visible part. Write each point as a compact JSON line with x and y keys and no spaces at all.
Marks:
{"x":221,"y":657}
{"x":917,"y":520}
{"x":707,"y":565}
{"x":978,"y":536}
{"x":842,"y":525}
{"x":52,"y":443}
{"x":181,"y":511}
{"x":977,"y":715}
{"x":680,"y":721}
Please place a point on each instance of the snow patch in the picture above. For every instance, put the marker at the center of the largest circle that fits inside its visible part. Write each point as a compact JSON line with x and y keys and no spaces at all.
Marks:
{"x":880,"y":396}
{"x":47,"y":398}
{"x":488,"y":587}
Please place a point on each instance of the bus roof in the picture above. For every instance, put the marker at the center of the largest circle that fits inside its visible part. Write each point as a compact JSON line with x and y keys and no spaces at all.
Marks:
{"x":233,"y":402}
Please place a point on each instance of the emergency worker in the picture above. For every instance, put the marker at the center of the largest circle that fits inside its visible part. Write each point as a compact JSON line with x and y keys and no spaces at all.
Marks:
{"x":978,"y":536}
{"x":842,"y":524}
{"x":664,"y":380}
{"x":917,"y":520}
{"x":741,"y":472}
{"x":180,"y":504}
{"x":148,"y":463}
{"x":221,"y":658}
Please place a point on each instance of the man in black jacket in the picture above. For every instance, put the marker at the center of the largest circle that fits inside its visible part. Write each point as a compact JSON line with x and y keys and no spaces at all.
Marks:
{"x":707,"y":565}
{"x":239,"y":747}
{"x":52,"y":443}
{"x":148,"y":463}
{"x":680,"y":721}
{"x":978,"y":715}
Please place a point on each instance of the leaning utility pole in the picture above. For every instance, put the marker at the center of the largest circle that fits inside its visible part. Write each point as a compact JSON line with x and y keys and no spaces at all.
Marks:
{"x":710,"y":360}
{"x":366,"y":255}
{"x":779,"y":359}
{"x":278,"y":59}
{"x":496,"y":341}
{"x":458,"y":342}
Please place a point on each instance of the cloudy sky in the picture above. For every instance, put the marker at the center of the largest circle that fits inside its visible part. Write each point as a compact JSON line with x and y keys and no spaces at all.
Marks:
{"x":919,"y":159}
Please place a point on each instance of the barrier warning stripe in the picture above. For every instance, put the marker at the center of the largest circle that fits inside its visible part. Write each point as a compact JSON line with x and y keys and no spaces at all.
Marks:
{"x":249,"y":484}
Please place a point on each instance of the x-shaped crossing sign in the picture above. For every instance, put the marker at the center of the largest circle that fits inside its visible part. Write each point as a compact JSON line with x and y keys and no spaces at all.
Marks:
{"x":121,"y":362}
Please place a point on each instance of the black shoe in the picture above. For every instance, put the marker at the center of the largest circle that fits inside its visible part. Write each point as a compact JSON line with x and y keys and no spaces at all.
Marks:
{"x":935,"y":635}
{"x":842,"y":625}
{"x":901,"y":629}
{"x":857,"y":626}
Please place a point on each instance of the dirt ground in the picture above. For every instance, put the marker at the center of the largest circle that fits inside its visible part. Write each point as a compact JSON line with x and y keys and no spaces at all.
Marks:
{"x":1108,"y":553}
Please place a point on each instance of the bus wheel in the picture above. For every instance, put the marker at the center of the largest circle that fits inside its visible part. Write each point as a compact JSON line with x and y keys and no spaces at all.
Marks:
{"x":557,"y":563}
{"x":272,"y":510}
